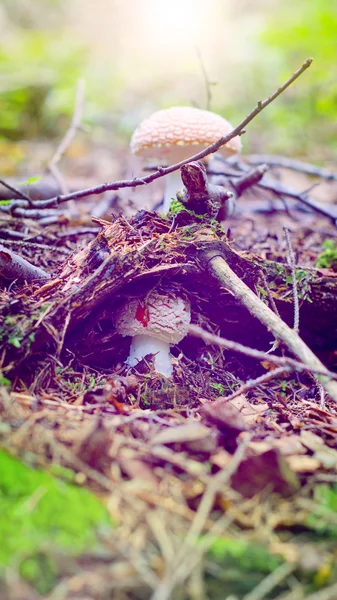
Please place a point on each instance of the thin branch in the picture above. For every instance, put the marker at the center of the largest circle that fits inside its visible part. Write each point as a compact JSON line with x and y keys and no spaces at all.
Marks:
{"x":281,"y":361}
{"x":69,"y":135}
{"x":276,"y":188}
{"x":292,"y":265}
{"x":16,"y":191}
{"x":253,"y":383}
{"x":263,"y":589}
{"x":292,"y":165}
{"x":208,"y":82}
{"x":329,"y":593}
{"x":185,"y":561}
{"x":34,"y":246}
{"x":253,"y":177}
{"x":13,"y":267}
{"x":219,"y":268}
{"x":160,"y":172}
{"x":269,"y":294}
{"x":281,"y":190}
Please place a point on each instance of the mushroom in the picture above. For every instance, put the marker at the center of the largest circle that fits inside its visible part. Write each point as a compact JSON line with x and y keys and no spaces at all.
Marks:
{"x":174,"y":134}
{"x":155,"y":323}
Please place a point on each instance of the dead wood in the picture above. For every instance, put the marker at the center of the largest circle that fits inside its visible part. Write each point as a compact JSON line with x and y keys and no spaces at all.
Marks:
{"x":13,"y":267}
{"x":74,"y":311}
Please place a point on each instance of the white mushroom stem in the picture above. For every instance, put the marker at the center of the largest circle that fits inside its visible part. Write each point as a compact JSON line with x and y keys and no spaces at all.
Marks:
{"x":142,"y":345}
{"x":172,"y":185}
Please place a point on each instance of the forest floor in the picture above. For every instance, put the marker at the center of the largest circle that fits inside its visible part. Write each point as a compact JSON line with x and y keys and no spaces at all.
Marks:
{"x":219,"y":482}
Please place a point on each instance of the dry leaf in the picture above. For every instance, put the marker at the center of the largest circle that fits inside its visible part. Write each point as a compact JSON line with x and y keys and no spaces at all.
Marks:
{"x":189,"y":432}
{"x":287,"y":445}
{"x":224,"y":416}
{"x":136,"y":468}
{"x":249,"y":412}
{"x":194,"y":437}
{"x":303,"y":464}
{"x":311,"y":440}
{"x":326,"y":456}
{"x":221,"y":459}
{"x":267,"y":470}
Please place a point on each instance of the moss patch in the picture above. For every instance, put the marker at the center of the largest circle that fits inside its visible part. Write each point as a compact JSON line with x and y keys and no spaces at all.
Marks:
{"x":39,"y":512}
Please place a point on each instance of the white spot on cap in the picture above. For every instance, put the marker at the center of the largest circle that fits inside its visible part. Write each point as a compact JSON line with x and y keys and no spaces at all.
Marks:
{"x":181,"y":126}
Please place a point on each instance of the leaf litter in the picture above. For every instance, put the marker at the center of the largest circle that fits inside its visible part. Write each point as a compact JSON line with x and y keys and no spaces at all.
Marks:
{"x":249,"y":483}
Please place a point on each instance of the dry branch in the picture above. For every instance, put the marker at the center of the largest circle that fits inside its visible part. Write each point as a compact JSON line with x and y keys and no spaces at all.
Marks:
{"x":13,"y":267}
{"x":69,"y":136}
{"x":291,"y":164}
{"x":116,"y":185}
{"x":272,"y":185}
{"x":284,"y":362}
{"x":221,"y":270}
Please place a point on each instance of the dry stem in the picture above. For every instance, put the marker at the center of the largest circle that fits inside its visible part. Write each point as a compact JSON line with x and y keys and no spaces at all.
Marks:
{"x":160,"y":172}
{"x":292,"y":265}
{"x":220,"y":269}
{"x":282,"y":361}
{"x":69,"y":136}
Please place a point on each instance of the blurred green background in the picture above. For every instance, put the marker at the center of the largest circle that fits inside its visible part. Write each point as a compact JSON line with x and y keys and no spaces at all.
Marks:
{"x":140,"y":55}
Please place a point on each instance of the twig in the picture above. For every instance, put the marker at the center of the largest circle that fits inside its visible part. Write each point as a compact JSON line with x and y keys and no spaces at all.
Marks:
{"x":186,"y":560}
{"x":270,"y":582}
{"x":321,"y":395}
{"x":329,"y":593}
{"x":293,"y":165}
{"x":281,"y":361}
{"x":253,"y":383}
{"x":219,"y":268}
{"x":320,"y":390}
{"x":208,"y":83}
{"x":13,"y":266}
{"x":69,"y":136}
{"x":116,"y":185}
{"x":15,"y":190}
{"x":292,"y":265}
{"x":277,"y":188}
{"x":28,"y":244}
{"x":269,"y":294}
{"x":253,"y":177}
{"x":282,"y":190}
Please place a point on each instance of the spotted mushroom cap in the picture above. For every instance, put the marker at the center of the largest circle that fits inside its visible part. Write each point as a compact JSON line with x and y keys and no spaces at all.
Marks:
{"x":165,"y":317}
{"x":173,"y":134}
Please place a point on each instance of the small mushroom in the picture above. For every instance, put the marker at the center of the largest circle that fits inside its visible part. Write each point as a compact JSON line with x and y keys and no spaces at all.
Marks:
{"x":154,"y":323}
{"x":173,"y":134}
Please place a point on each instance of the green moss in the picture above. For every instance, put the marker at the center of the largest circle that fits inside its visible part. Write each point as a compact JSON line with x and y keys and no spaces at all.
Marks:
{"x":39,"y":512}
{"x":238,"y":566}
{"x":246,"y":555}
{"x":176,"y":206}
{"x":323,"y":516}
{"x":328,"y":258}
{"x":218,"y":387}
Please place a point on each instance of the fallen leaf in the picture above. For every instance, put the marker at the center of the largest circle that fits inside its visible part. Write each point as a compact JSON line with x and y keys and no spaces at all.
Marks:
{"x":303,"y":464}
{"x":182,"y":433}
{"x":269,"y":469}
{"x":311,"y":440}
{"x":249,"y":412}
{"x":326,"y":456}
{"x":287,"y":445}
{"x":221,"y":459}
{"x":194,"y":437}
{"x":224,"y":416}
{"x":136,"y":468}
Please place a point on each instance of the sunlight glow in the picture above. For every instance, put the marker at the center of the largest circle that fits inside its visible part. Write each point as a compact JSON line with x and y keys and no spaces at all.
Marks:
{"x":173,"y":25}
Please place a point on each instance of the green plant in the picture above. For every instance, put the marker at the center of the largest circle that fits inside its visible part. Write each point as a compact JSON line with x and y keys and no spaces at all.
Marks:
{"x":328,"y":258}
{"x":43,"y":88}
{"x":38,"y":513}
{"x":218,"y":387}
